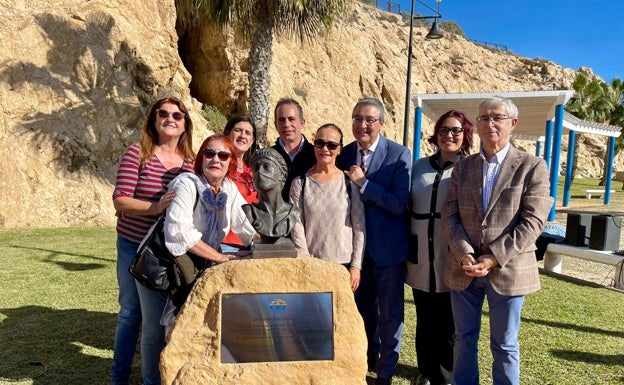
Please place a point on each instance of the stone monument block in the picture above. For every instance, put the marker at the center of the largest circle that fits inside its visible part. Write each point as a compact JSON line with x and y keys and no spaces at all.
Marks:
{"x":297,"y":320}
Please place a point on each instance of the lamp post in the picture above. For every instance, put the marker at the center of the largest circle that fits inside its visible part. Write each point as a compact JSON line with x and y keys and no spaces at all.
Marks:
{"x":434,"y":33}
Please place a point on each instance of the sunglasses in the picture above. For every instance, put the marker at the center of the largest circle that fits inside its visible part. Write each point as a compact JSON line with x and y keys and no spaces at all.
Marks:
{"x":331,"y":146}
{"x":175,"y":115}
{"x":209,"y":153}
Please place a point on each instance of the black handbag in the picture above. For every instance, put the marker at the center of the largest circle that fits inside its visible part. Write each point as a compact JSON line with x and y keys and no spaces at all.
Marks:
{"x":156,"y":268}
{"x":153,"y":265}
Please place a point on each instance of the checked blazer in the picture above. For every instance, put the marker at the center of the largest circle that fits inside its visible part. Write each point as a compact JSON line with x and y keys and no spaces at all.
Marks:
{"x":517,"y":210}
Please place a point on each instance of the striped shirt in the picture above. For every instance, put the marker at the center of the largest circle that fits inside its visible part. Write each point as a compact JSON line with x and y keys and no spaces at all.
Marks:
{"x":147,"y":183}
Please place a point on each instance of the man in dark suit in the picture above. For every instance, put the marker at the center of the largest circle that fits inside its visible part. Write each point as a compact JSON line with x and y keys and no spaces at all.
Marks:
{"x":495,"y":209}
{"x":381,"y":169}
{"x":292,"y":145}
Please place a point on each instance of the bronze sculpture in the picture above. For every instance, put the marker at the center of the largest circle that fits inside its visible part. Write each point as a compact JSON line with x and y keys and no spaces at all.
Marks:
{"x":272,"y":217}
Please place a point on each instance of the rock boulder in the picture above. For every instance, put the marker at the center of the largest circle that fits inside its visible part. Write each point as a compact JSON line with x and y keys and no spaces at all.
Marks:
{"x":192,"y":355}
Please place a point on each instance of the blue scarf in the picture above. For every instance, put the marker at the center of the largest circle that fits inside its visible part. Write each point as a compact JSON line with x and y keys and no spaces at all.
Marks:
{"x":212,"y":233}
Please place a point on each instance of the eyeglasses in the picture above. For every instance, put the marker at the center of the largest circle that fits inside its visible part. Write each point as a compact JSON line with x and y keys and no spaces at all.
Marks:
{"x":331,"y":146}
{"x":455,"y":131}
{"x":209,"y":153}
{"x":175,"y":115}
{"x":369,"y":121}
{"x":494,"y":118}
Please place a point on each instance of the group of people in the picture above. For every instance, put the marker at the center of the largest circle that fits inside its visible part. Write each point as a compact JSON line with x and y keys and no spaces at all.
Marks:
{"x":457,"y":228}
{"x":202,"y":194}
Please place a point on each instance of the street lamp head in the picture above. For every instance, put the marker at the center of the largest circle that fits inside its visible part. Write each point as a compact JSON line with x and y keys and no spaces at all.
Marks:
{"x":435,"y":32}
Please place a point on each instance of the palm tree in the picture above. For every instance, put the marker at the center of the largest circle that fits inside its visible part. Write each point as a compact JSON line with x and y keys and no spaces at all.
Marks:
{"x":587,"y":102}
{"x":584,"y":105}
{"x":257,"y":21}
{"x":617,"y":119}
{"x":599,"y":102}
{"x":614,"y":102}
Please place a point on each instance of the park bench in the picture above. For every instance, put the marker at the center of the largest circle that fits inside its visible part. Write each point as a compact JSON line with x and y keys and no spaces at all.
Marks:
{"x":555,"y":251}
{"x":588,"y":193}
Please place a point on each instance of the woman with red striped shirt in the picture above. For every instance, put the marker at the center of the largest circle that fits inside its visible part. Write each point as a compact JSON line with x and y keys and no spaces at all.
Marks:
{"x":140,"y":195}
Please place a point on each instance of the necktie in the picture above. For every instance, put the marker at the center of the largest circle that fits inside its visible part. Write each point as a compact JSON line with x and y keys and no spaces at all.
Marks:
{"x":363,"y":153}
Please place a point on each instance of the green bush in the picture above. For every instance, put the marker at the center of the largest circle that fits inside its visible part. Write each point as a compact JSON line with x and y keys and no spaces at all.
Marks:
{"x":452,"y":27}
{"x":216,"y":120}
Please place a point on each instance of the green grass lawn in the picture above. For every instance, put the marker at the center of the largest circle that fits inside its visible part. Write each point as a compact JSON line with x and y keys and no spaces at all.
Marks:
{"x":579,"y":185}
{"x":59,"y":302}
{"x":58,"y":306}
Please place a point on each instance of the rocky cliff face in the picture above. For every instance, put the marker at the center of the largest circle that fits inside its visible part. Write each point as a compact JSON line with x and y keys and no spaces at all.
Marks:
{"x":78,"y":77}
{"x":365,"y":55}
{"x":76,"y":80}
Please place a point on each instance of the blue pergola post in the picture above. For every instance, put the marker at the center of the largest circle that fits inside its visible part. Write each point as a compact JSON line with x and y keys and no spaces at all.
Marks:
{"x":570,"y":162}
{"x":611,"y":149}
{"x":548,"y":142}
{"x":538,"y":148}
{"x":556,"y":152}
{"x":417,"y":133}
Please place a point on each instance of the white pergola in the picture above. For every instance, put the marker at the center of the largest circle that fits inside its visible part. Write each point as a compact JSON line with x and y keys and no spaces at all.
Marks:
{"x":541,"y":117}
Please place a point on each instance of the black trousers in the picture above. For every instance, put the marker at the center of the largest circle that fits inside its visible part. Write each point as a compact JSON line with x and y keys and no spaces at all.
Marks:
{"x":434,"y":336}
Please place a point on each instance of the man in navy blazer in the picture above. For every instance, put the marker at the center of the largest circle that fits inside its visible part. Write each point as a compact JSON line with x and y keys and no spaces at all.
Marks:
{"x":381,"y":169}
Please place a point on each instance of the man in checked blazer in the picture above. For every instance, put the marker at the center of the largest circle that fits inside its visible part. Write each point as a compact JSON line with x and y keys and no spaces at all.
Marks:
{"x":381,"y":169}
{"x":495,"y":209}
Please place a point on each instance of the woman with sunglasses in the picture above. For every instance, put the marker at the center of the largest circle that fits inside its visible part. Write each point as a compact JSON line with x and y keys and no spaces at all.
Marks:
{"x":331,"y":226}
{"x":452,"y":135}
{"x":206,"y":206}
{"x":140,"y":195}
{"x":242,"y":132}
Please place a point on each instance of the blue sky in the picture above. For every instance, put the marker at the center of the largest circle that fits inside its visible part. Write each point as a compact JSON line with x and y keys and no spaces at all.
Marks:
{"x":573,"y":33}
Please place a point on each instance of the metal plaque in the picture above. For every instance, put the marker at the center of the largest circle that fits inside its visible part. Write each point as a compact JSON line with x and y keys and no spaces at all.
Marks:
{"x":277,"y":327}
